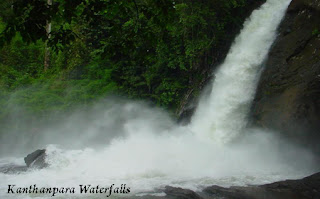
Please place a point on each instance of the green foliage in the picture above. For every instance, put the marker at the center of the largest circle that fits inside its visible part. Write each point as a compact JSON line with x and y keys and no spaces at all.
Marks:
{"x":162,"y":45}
{"x":76,"y":76}
{"x":20,"y":63}
{"x":144,"y":49}
{"x":315,"y":32}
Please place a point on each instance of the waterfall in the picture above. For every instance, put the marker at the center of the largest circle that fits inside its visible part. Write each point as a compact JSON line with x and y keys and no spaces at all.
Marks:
{"x":223,"y":115}
{"x":130,"y":143}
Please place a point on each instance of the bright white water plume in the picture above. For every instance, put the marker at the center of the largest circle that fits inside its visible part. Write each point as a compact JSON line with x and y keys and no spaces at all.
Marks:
{"x":129,"y":143}
{"x":222,"y":115}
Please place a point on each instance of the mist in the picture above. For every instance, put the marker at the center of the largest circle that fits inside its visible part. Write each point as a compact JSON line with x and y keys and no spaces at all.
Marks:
{"x":119,"y":141}
{"x":94,"y":125}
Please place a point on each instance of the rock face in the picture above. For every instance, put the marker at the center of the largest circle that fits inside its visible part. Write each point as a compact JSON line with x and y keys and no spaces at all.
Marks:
{"x":288,"y":95}
{"x":36,"y":159}
{"x":306,"y":188}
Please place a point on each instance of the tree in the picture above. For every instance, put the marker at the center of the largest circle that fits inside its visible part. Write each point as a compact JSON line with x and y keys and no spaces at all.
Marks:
{"x":47,"y":48}
{"x":30,"y":18}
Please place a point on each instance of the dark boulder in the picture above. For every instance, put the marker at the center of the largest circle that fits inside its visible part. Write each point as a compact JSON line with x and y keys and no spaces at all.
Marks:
{"x":37,"y":159}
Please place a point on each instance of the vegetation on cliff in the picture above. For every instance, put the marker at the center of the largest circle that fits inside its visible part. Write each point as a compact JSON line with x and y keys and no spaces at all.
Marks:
{"x":59,"y":54}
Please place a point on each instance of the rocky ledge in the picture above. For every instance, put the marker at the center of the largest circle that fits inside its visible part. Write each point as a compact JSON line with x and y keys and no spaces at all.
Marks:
{"x":306,"y":188}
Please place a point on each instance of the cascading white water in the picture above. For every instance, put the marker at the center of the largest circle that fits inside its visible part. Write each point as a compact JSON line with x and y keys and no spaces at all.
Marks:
{"x":222,"y":115}
{"x":153,"y":152}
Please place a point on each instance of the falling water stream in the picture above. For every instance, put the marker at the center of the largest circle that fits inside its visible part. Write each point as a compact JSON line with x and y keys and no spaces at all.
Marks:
{"x":222,"y":115}
{"x":217,"y":147}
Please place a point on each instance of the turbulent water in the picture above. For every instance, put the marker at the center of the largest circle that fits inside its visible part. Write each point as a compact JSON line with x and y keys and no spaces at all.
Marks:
{"x":129,"y":143}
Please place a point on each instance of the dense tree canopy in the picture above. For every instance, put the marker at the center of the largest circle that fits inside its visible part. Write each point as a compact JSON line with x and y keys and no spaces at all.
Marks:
{"x":144,"y":49}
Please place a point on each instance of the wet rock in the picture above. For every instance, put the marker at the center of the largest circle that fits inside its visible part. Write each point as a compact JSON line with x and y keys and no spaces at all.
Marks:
{"x":288,"y":95}
{"x":11,"y":168}
{"x":172,"y":193}
{"x":36,"y":159}
{"x":306,"y":188}
{"x":179,"y":193}
{"x":297,"y":5}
